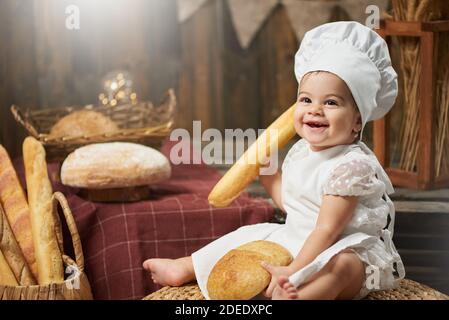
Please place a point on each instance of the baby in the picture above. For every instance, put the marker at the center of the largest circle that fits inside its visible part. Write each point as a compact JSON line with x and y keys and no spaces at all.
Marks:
{"x":340,"y":220}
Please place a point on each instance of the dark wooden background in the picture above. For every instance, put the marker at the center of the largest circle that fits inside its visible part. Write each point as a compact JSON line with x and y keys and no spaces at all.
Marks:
{"x":46,"y":65}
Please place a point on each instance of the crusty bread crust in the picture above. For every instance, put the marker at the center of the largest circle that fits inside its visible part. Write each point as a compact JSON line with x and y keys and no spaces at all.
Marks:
{"x":114,"y":165}
{"x":83,"y":123}
{"x":12,"y":253}
{"x":246,"y":169}
{"x":16,"y":209}
{"x":7,"y":277}
{"x":43,"y":223}
{"x":238,"y":275}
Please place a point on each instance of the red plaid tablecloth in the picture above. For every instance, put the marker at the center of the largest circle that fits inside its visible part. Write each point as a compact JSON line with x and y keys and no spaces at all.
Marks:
{"x":176,"y":221}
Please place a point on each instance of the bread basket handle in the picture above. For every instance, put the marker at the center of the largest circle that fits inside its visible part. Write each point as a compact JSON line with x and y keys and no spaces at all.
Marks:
{"x":59,"y":198}
{"x":18,"y":115}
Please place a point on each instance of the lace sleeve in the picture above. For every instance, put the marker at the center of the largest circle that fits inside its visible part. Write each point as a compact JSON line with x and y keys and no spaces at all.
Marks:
{"x":354,"y":178}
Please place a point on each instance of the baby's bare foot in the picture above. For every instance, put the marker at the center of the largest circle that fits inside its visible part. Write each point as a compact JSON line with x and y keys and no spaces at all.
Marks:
{"x":170,"y":272}
{"x":285,"y":290}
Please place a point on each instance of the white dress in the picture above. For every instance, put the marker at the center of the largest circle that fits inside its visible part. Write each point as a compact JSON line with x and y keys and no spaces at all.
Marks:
{"x":306,"y":176}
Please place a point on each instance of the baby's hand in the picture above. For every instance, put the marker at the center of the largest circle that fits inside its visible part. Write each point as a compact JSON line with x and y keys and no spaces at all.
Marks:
{"x":275,"y":272}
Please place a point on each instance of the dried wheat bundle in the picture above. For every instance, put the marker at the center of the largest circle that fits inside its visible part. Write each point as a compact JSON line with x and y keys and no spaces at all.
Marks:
{"x":425,"y":10}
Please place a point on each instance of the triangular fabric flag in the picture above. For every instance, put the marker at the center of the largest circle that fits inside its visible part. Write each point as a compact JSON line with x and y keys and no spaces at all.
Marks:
{"x":186,"y":8}
{"x":305,"y":14}
{"x":248,"y":16}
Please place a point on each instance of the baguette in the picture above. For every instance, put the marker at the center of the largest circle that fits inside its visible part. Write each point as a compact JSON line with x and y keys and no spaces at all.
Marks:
{"x":12,"y":253}
{"x":246,"y":169}
{"x":16,"y":209}
{"x":7,"y":277}
{"x":43,"y":223}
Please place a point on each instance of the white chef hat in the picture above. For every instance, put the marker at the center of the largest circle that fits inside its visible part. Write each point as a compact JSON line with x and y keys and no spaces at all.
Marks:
{"x":359,"y":56}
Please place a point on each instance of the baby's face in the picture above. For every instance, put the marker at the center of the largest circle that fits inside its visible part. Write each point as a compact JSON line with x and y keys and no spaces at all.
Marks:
{"x":326,"y":114}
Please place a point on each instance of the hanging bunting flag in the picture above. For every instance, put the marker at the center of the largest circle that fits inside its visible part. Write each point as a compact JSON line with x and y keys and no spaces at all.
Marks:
{"x":248,"y":16}
{"x":307,"y":14}
{"x":186,"y":8}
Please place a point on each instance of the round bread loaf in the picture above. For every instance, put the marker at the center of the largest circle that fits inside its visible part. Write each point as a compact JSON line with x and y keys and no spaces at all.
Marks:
{"x":83,"y":123}
{"x":238,"y":275}
{"x":114,"y":165}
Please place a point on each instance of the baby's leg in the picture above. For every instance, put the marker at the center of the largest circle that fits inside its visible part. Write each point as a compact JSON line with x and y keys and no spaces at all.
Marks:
{"x":170,"y":272}
{"x":341,"y":278}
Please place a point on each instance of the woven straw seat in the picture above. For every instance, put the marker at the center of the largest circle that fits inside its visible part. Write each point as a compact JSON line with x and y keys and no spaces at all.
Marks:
{"x":407,"y":290}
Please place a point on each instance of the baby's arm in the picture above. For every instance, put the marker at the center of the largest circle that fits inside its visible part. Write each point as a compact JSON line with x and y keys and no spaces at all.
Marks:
{"x":272,"y":184}
{"x":335,"y":214}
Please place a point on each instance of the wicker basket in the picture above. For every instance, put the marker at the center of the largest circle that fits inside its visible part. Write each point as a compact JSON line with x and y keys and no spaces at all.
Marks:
{"x":75,"y":287}
{"x":139,"y":123}
{"x":407,"y":290}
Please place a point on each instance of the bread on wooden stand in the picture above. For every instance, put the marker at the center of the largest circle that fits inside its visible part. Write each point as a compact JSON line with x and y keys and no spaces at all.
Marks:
{"x":115,"y":171}
{"x":238,"y":275}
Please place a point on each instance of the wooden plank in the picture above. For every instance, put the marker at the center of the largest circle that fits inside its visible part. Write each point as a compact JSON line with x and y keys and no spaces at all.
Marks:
{"x":17,"y":69}
{"x":277,"y":45}
{"x":424,"y":240}
{"x":422,"y":207}
{"x":5,"y":98}
{"x":426,"y":152}
{"x":425,"y":258}
{"x":160,"y":31}
{"x":442,"y":181}
{"x":241,"y":98}
{"x":403,"y":178}
{"x":435,"y":223}
{"x":436,"y":26}
{"x":402,"y":28}
{"x":380,"y":131}
{"x":196,"y":98}
{"x":425,"y":195}
{"x":217,"y":52}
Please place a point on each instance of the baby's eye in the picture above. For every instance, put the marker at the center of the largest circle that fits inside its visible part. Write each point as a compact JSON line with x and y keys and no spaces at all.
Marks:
{"x":332,"y":102}
{"x":305,"y":100}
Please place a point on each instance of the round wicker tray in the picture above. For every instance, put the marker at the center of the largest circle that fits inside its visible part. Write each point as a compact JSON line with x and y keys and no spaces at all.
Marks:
{"x":407,"y":290}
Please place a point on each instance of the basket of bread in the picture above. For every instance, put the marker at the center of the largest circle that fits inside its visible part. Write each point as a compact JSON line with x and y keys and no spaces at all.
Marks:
{"x":62,"y":130}
{"x":33,"y":265}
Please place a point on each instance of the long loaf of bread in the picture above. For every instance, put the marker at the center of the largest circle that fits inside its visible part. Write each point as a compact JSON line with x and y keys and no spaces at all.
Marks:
{"x":7,"y":277}
{"x":16,"y":208}
{"x":246,"y":169}
{"x":12,"y":253}
{"x":43,"y":223}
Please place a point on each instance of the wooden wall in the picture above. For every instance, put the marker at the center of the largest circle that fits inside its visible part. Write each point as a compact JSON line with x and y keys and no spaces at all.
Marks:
{"x":229,"y":87}
{"x":45,"y":65}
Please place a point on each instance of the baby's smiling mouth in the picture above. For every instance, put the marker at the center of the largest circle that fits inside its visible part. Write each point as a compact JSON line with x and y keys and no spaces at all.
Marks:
{"x":316,"y":124}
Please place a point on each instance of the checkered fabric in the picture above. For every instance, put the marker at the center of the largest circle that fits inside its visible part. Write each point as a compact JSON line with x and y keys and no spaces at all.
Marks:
{"x":176,"y":221}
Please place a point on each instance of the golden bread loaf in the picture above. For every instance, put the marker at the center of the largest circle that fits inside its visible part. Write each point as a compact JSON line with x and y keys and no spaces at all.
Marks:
{"x":238,"y":275}
{"x":43,"y":222}
{"x":7,"y":277}
{"x":246,"y":169}
{"x":83,"y":123}
{"x":12,"y":253}
{"x":16,"y":209}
